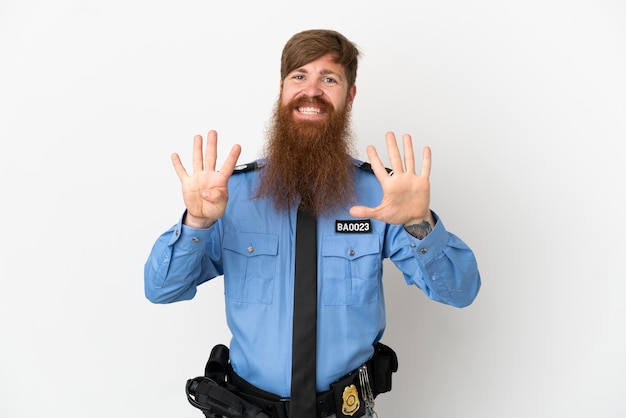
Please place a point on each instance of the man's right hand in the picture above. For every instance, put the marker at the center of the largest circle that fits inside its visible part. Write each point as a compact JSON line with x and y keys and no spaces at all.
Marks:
{"x":205,"y":192}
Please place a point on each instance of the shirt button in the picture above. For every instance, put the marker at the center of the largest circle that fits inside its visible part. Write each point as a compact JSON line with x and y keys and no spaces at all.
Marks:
{"x":351,"y":253}
{"x":413,"y":245}
{"x":195,"y":239}
{"x":251,"y":249}
{"x":423,"y":250}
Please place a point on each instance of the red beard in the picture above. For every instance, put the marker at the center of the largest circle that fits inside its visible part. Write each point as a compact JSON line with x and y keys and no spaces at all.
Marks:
{"x":309,"y":161}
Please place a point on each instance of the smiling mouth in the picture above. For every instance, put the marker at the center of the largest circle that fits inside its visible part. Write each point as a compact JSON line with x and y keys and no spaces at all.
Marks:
{"x":310,"y":110}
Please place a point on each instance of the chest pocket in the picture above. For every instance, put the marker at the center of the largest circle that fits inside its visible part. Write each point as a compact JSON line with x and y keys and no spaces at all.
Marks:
{"x":351,"y":269}
{"x":249,"y":267}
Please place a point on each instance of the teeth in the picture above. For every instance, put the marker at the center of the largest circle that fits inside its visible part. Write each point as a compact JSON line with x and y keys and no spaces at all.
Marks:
{"x":309,"y":110}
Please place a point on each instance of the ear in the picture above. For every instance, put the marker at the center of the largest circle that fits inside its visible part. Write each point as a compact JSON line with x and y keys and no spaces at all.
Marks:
{"x":351,"y":95}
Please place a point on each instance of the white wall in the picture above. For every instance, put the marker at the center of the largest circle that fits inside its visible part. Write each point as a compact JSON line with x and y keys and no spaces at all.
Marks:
{"x":522,"y":102}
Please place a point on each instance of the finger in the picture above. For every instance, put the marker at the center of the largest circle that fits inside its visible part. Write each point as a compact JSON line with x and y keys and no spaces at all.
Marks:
{"x":198,"y":164}
{"x":377,"y":165}
{"x":231,"y":161}
{"x":409,"y":156}
{"x":395,"y":159}
{"x":178,"y":166}
{"x":211,"y":151}
{"x":426,"y":162}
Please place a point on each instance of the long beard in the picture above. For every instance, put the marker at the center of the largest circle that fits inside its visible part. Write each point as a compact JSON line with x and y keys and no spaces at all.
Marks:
{"x":309,"y":161}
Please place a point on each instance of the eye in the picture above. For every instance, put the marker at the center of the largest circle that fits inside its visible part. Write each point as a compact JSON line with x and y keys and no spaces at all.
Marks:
{"x":329,"y":80}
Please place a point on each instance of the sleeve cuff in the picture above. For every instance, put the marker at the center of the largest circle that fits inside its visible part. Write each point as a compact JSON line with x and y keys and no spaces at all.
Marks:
{"x":188,"y":237}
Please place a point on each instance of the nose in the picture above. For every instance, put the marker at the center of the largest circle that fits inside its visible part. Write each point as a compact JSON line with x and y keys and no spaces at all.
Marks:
{"x":312,"y":89}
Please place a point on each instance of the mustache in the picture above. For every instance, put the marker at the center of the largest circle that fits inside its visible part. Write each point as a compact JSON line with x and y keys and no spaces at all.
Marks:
{"x":308,"y":101}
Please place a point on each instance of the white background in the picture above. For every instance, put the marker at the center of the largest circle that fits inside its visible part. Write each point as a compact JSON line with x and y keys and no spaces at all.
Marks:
{"x":522,"y":102}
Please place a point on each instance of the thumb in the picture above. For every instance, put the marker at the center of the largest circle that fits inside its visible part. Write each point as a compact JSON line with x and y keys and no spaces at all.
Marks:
{"x":361,"y":211}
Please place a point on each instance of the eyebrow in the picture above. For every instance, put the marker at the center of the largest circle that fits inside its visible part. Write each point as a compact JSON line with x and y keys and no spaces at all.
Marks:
{"x":323,"y":72}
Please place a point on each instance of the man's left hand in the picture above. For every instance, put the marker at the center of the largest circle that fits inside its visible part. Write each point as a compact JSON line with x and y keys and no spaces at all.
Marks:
{"x":406,"y":194}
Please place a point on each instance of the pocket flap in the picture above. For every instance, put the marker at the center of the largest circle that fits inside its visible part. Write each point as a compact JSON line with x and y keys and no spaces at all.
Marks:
{"x":251,"y":244}
{"x":350,"y":247}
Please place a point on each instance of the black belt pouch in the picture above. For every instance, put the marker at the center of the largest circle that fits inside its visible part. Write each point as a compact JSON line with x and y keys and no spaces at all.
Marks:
{"x":385,"y":362}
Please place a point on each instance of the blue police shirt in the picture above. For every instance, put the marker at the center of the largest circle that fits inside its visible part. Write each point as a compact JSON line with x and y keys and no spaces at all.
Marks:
{"x":253,"y":247}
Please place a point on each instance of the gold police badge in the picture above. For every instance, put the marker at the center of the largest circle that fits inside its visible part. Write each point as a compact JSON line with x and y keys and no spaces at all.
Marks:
{"x":351,"y":401}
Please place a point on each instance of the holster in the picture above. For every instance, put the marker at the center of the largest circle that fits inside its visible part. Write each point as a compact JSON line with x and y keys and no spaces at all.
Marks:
{"x":210,"y":394}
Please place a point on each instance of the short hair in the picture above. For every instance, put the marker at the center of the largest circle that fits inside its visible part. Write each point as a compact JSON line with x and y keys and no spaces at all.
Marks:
{"x":309,"y":45}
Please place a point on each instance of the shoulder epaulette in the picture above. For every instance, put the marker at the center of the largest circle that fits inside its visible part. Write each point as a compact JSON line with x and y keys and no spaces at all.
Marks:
{"x":368,"y":167}
{"x":243,"y":168}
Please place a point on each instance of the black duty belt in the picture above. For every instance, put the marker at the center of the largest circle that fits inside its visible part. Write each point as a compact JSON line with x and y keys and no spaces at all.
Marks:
{"x":222,"y":392}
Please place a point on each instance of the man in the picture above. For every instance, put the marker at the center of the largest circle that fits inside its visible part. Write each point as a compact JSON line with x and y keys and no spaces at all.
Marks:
{"x":243,"y":223}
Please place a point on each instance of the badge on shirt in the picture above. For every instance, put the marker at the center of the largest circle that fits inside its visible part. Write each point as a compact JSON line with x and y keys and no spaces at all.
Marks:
{"x":361,"y":226}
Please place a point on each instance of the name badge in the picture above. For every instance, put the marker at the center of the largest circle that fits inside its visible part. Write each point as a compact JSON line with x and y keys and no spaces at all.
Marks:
{"x":362,"y":226}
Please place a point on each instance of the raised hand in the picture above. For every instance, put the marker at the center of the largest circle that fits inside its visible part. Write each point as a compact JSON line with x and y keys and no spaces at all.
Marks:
{"x":205,"y":191}
{"x":406,"y":194}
